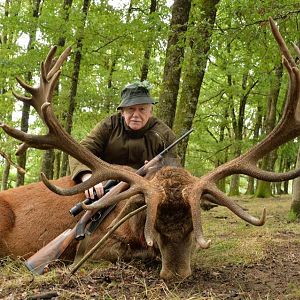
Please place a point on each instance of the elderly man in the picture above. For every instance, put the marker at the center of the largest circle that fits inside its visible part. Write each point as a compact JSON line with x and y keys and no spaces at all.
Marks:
{"x":129,"y":137}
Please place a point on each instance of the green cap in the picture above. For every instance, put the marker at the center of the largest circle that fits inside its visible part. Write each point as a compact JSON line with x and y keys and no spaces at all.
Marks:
{"x":136,"y":93}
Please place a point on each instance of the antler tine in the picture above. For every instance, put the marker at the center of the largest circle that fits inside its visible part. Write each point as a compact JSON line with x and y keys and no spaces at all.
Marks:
{"x":21,"y":97}
{"x":25,"y":86}
{"x":50,"y":71}
{"x":197,"y":224}
{"x":36,"y":141}
{"x":281,"y":43}
{"x":51,"y":65}
{"x":236,"y":209}
{"x":297,"y":50}
{"x":150,"y":219}
{"x":49,"y":59}
{"x":59,"y":62}
{"x":52,"y":82}
{"x":192,"y":196}
{"x":22,"y":149}
{"x":258,"y":173}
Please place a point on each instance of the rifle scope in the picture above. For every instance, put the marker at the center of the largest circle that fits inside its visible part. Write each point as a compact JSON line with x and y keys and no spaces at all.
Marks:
{"x":76,"y":209}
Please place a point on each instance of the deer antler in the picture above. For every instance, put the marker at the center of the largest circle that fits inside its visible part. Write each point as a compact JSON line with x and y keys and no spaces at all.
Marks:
{"x":287,"y":129}
{"x":57,"y":137}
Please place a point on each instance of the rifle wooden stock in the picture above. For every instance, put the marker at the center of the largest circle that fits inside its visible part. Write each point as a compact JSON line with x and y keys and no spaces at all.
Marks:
{"x":37,"y":262}
{"x":53,"y":250}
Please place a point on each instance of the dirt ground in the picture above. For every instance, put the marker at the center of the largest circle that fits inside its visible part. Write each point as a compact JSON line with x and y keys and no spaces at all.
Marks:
{"x":274,"y":275}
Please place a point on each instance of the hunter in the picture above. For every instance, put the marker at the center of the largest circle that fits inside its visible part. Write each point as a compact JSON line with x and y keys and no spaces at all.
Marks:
{"x":130,"y":137}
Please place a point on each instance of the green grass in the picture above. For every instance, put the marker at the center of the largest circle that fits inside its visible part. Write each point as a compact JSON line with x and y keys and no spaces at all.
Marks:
{"x":235,"y":241}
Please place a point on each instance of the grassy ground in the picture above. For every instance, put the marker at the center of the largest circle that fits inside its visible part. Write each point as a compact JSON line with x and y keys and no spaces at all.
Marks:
{"x":243,"y":262}
{"x":237,"y":241}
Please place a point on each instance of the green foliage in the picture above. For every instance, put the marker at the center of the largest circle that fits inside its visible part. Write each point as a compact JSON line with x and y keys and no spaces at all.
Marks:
{"x":242,"y":43}
{"x":114,"y":41}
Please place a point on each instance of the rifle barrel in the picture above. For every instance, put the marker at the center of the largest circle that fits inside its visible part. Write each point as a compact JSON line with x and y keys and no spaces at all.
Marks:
{"x":176,"y":142}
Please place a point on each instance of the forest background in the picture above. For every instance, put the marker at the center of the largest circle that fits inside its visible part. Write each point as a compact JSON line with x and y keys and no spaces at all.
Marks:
{"x":213,"y":64}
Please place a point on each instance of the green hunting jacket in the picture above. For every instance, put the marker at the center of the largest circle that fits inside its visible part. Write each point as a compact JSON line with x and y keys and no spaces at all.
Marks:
{"x":114,"y":142}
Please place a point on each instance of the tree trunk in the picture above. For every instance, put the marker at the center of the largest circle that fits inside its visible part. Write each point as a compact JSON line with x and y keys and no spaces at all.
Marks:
{"x":56,"y":172}
{"x":166,"y":107}
{"x":295,"y":206}
{"x":49,"y":155}
{"x":147,"y":53}
{"x":264,"y":188}
{"x":74,"y":82}
{"x":4,"y":37}
{"x":5,"y":175}
{"x":193,"y":76}
{"x":47,"y":163}
{"x":257,"y":128}
{"x":222,"y":182}
{"x":65,"y":15}
{"x":26,"y":107}
{"x":238,"y":126}
{"x":5,"y":41}
{"x":107,"y":104}
{"x":278,"y":185}
{"x":21,"y":159}
{"x":288,"y":164}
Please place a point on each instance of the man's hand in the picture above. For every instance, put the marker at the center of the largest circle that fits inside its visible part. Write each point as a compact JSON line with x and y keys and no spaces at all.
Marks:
{"x":98,"y":188}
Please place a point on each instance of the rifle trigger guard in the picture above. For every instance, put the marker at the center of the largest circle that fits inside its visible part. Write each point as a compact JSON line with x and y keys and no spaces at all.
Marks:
{"x":96,"y":217}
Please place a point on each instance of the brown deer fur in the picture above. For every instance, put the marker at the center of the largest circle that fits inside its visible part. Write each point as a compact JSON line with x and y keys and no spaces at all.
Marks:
{"x":32,"y":216}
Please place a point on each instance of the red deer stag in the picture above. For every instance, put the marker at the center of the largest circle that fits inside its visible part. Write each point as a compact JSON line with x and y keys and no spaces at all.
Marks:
{"x":32,"y":215}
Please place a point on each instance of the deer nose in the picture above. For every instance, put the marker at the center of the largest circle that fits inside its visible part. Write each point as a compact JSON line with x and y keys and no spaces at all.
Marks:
{"x":169,"y":275}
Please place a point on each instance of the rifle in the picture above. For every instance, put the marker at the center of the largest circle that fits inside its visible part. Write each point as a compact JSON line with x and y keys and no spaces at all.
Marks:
{"x":53,"y":250}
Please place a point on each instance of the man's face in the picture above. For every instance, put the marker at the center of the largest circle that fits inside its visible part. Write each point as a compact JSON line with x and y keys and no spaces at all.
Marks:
{"x":136,"y":116}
